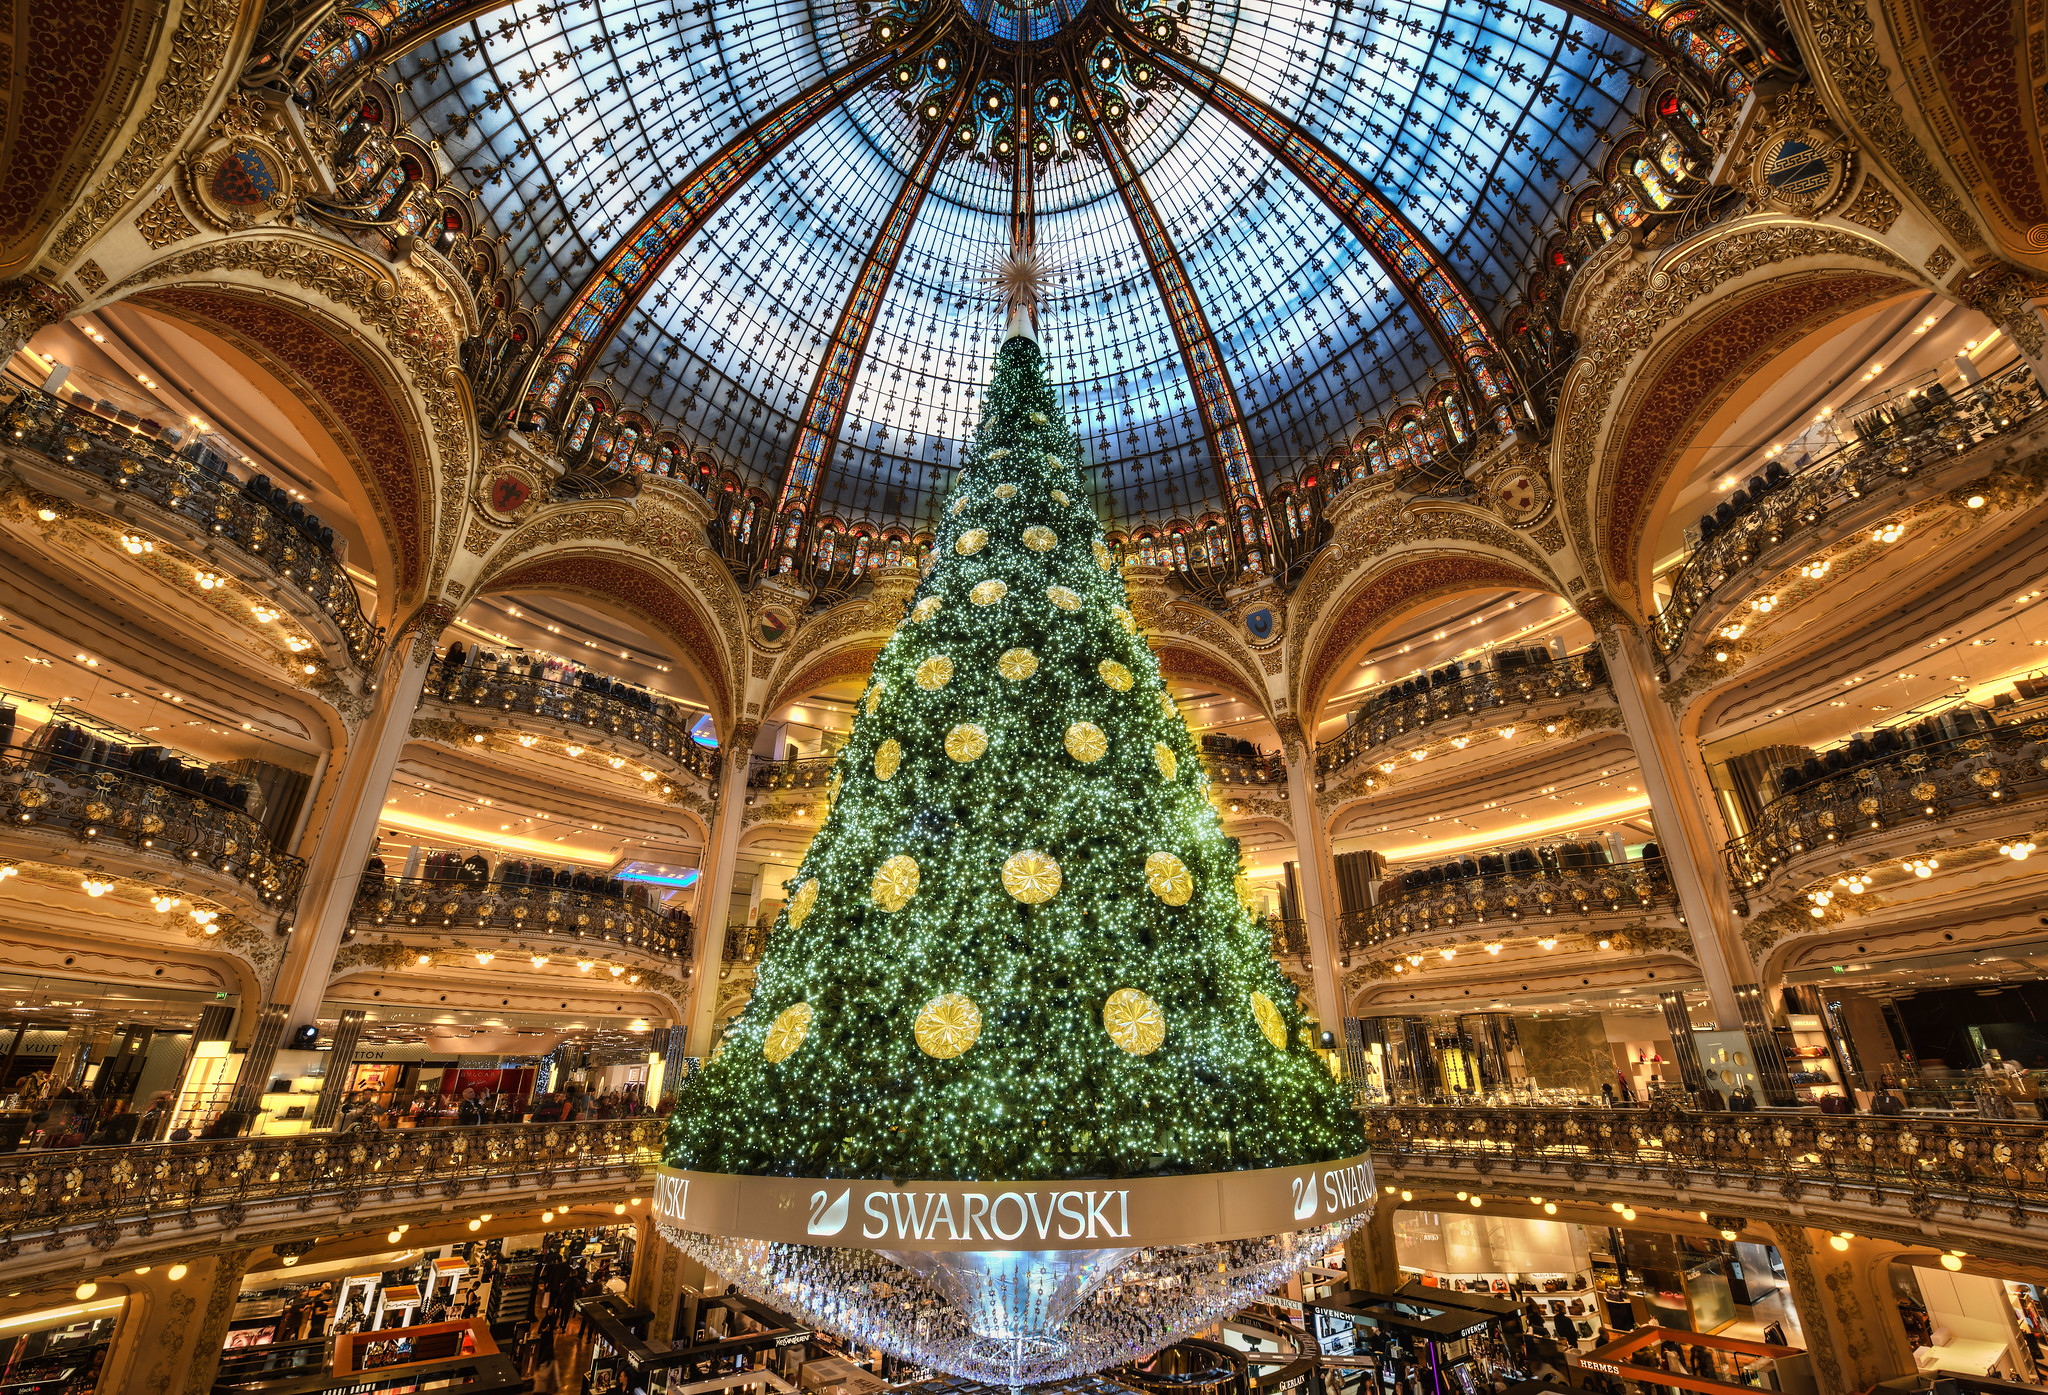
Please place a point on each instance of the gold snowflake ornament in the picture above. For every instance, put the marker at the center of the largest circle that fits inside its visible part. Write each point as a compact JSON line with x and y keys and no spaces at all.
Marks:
{"x":926,"y":609}
{"x":1040,"y":538}
{"x":895,"y":883}
{"x":1086,"y":743}
{"x":1163,"y":757}
{"x":947,"y":1026}
{"x":888,"y":756}
{"x":966,"y":742}
{"x":988,"y":592}
{"x":934,"y":673}
{"x":1114,"y":674}
{"x":1134,"y":1021}
{"x":1031,"y":877}
{"x":801,"y":903}
{"x":1167,"y":877}
{"x":786,"y":1033}
{"x":971,"y":542}
{"x":1063,"y":598}
{"x":1270,"y":1021}
{"x":1017,"y":664}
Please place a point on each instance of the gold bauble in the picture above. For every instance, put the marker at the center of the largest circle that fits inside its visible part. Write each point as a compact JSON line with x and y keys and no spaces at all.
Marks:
{"x":888,"y":756}
{"x":947,"y":1026}
{"x":1063,"y":598}
{"x":1054,"y":460}
{"x":1166,"y":877}
{"x":786,"y":1033}
{"x":971,"y":542}
{"x":1102,"y":557}
{"x":1017,"y":664}
{"x":1006,"y":491}
{"x":988,"y":592}
{"x":895,"y":883}
{"x":934,"y":673}
{"x":1040,"y":538}
{"x":1115,"y":674}
{"x":1086,"y":743}
{"x":1270,"y":1021}
{"x":926,"y":609}
{"x":966,"y":742}
{"x":1162,"y":756}
{"x":874,"y":697}
{"x":958,"y":504}
{"x":1124,"y":618}
{"x":801,"y":903}
{"x":1059,"y":496}
{"x":1134,"y":1022}
{"x":1166,"y":706}
{"x":1031,"y":877}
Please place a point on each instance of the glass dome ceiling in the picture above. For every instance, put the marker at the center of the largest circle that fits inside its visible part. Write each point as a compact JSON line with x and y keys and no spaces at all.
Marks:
{"x":573,"y":120}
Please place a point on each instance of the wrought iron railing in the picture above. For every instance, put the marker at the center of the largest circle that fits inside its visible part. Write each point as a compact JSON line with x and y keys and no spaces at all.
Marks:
{"x":1514,"y":902}
{"x":1988,"y":768}
{"x":1385,"y":719}
{"x":664,"y":730}
{"x":1892,"y":450}
{"x":744,"y":944}
{"x":812,"y":774}
{"x":134,"y":458}
{"x":1258,"y":768}
{"x":109,"y":1190}
{"x":1290,"y":937}
{"x":158,"y":822}
{"x":576,"y":918}
{"x":1988,"y":1161}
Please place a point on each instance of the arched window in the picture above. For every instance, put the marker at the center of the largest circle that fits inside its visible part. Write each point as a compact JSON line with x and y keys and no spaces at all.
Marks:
{"x":1652,"y":181}
{"x":580,"y":432}
{"x":894,"y":556}
{"x":1671,"y":157}
{"x":1376,"y":455}
{"x":1454,"y":415}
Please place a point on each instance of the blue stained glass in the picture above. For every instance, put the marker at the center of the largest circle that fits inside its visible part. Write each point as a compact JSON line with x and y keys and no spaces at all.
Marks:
{"x":572,"y":123}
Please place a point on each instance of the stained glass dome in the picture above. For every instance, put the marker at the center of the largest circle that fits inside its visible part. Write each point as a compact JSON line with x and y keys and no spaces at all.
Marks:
{"x":891,"y":188}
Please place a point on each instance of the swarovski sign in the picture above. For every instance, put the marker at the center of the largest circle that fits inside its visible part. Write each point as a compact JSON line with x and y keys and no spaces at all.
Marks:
{"x":1082,"y":1214}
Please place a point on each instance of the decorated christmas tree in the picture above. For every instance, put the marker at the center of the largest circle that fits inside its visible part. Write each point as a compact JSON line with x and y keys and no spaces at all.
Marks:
{"x":1019,"y":946}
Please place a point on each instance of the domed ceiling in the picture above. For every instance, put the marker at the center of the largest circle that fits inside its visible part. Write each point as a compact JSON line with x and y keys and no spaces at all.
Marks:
{"x":576,"y":121}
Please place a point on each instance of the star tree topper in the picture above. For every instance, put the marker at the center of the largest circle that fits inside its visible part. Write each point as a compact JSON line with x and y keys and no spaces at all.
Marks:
{"x":1021,"y":278}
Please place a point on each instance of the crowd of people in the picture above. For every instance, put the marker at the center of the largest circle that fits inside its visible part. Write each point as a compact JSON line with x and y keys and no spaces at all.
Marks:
{"x":363,"y":1111}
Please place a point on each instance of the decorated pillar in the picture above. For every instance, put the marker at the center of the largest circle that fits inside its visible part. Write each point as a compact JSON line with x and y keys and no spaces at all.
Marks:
{"x":1370,"y":1256}
{"x":1317,"y":875}
{"x":168,"y":1341}
{"x":723,"y":854}
{"x":1848,"y":1315}
{"x":345,"y":828}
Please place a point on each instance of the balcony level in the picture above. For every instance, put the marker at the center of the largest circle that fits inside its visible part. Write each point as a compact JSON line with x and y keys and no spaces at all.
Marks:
{"x":176,"y":502}
{"x":1527,"y":893}
{"x":656,"y":730}
{"x":564,"y":922}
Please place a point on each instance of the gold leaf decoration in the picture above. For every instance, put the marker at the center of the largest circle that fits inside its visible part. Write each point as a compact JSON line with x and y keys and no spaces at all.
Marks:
{"x":1059,"y":496}
{"x":1270,"y":1021}
{"x":988,"y":592}
{"x":1017,"y":664}
{"x":1054,"y":460}
{"x":895,"y":883}
{"x":1006,"y":491}
{"x":1124,"y":618}
{"x":1031,"y":877}
{"x":947,"y":1026}
{"x":1114,"y":674}
{"x":1166,"y":706}
{"x":874,"y":697}
{"x":1086,"y":743}
{"x":1166,"y":877}
{"x":1063,"y":598}
{"x":1134,"y":1021}
{"x":786,"y":1033}
{"x":934,"y":673}
{"x":1163,"y":757}
{"x":1040,"y":538}
{"x":966,"y":742}
{"x":801,"y":903}
{"x":926,"y":609}
{"x":1102,"y":557}
{"x":888,"y":756}
{"x":958,"y":504}
{"x":971,"y":542}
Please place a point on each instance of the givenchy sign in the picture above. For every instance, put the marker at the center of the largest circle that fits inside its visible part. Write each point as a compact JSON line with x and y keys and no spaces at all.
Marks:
{"x":1140,"y":1211}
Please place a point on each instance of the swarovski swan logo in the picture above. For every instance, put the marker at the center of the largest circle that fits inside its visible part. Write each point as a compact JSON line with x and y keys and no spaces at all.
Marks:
{"x":829,"y":1220}
{"x":1306,"y":1198}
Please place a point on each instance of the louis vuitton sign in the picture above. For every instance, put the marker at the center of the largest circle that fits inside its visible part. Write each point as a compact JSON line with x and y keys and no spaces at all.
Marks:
{"x":1060,"y":1215}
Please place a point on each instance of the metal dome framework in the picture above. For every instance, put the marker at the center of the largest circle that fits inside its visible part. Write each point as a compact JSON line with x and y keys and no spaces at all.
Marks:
{"x":764,"y":224}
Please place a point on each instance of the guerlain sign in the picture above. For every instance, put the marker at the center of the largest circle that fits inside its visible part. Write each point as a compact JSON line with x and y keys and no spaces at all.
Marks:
{"x":1074,"y":1215}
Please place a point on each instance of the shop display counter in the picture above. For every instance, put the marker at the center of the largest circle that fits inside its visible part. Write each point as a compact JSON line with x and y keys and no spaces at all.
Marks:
{"x":1737,"y":1364}
{"x":409,"y":1346}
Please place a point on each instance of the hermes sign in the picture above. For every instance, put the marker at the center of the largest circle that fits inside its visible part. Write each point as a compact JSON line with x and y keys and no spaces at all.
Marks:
{"x":1015,"y":1215}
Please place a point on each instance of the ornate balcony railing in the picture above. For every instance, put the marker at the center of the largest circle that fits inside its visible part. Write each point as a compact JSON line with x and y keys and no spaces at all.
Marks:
{"x":108,"y":1190}
{"x":1985,"y":769}
{"x":1919,"y":435}
{"x":133,"y":459}
{"x":578,"y":918}
{"x":1290,"y":937}
{"x":665,"y":732}
{"x":744,"y":944}
{"x":1991,"y":1162}
{"x":1260,"y":768}
{"x":812,"y":774}
{"x":108,"y":809}
{"x":1514,"y":902}
{"x":1482,"y":692}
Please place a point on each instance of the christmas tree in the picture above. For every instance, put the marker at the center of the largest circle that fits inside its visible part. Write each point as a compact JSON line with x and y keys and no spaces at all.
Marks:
{"x":1018,"y":948}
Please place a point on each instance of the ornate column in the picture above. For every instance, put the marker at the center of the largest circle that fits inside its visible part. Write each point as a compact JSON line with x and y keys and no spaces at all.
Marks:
{"x":1316,"y":874}
{"x":1370,"y":1255}
{"x":1848,"y":1315}
{"x":718,"y":872}
{"x":25,"y":307}
{"x":169,"y":1338}
{"x":342,"y":832}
